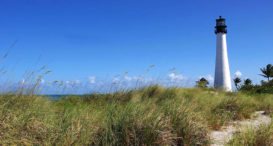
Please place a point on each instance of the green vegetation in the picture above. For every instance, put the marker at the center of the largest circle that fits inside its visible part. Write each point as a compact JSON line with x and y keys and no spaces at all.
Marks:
{"x":152,"y":115}
{"x":202,"y":83}
{"x":236,"y":82}
{"x":264,"y":87}
{"x":263,"y":136}
{"x":267,"y":72}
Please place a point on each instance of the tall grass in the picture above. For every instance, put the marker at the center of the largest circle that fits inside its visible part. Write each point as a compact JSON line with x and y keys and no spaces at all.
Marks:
{"x":263,"y":136}
{"x":151,"y":115}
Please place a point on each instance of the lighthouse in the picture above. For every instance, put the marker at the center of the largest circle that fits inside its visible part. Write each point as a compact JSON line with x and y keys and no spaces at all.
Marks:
{"x":222,"y":74}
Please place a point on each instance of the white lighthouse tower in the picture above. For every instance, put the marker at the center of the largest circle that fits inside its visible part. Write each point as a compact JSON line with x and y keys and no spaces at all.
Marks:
{"x":222,"y":74}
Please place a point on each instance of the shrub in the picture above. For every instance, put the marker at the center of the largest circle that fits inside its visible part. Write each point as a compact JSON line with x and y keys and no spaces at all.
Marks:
{"x":265,"y":87}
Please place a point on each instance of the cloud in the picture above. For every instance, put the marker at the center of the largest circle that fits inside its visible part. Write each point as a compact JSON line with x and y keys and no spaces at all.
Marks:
{"x":210,"y":78}
{"x":115,"y":79}
{"x":176,"y":77}
{"x":127,"y":78}
{"x":92,"y":79}
{"x":136,"y":78}
{"x":42,"y":81}
{"x":178,"y":80}
{"x":143,"y":80}
{"x":76,"y":82}
{"x":72,"y":83}
{"x":238,"y":74}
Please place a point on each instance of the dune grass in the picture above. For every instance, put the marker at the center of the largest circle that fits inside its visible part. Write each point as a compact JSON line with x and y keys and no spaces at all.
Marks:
{"x":152,"y":115}
{"x":263,"y":136}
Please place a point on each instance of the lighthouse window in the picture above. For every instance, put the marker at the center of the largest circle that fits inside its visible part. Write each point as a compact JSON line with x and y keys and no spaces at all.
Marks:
{"x":219,"y":23}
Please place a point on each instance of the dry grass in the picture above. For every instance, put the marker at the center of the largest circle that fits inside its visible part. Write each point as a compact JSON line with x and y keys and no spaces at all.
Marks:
{"x":263,"y":136}
{"x":152,"y":115}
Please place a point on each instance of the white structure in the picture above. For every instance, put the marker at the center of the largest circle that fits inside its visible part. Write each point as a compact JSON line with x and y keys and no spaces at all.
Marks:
{"x":222,"y":74}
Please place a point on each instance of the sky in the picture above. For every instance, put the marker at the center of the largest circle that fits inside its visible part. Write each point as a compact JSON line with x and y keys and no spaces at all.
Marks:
{"x":91,"y":42}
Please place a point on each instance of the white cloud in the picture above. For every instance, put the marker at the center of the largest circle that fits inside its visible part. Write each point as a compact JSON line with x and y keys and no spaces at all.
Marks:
{"x":76,"y":82}
{"x":136,"y":78}
{"x":210,"y":78}
{"x":92,"y":79}
{"x":115,"y":80}
{"x":42,"y":81}
{"x":72,"y":83}
{"x":176,"y":77}
{"x":127,"y":78}
{"x":238,"y":74}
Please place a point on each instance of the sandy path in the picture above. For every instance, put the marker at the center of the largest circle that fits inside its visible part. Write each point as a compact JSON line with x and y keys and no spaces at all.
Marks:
{"x":220,"y":138}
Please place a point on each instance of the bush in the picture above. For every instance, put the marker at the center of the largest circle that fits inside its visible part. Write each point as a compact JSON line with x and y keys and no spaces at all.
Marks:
{"x":265,"y":87}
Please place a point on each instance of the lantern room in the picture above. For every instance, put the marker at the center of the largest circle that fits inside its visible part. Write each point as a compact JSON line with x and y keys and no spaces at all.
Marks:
{"x":220,"y":25}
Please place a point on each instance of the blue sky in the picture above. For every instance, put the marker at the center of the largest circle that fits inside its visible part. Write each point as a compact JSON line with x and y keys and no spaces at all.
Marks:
{"x":100,"y":39}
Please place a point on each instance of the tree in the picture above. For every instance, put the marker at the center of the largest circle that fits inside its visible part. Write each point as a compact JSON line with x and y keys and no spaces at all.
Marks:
{"x":267,"y":71}
{"x":237,"y":81}
{"x":247,"y":82}
{"x":202,"y":83}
